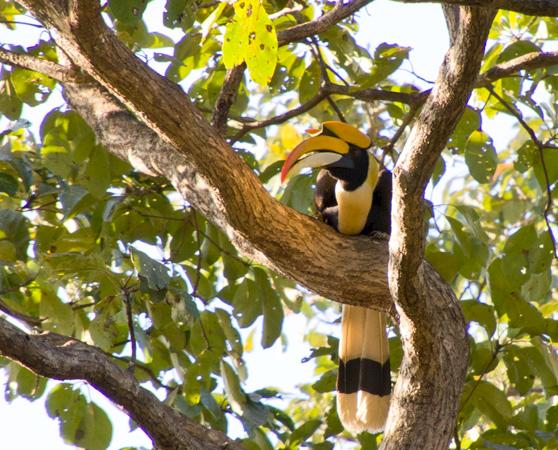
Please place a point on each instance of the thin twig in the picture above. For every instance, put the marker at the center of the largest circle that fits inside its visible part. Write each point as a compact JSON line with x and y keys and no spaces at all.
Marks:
{"x":142,"y":366}
{"x":315,"y":48}
{"x":456,"y":438}
{"x":391,"y":144}
{"x":199,"y":262}
{"x":540,"y":147}
{"x":17,"y":22}
{"x":286,"y":11}
{"x":498,"y":348}
{"x":252,"y":125}
{"x":339,"y":12}
{"x":128,"y":302}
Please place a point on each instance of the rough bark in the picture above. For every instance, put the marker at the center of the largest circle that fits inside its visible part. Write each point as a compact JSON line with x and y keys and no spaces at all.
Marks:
{"x":432,"y":328}
{"x":63,"y":358}
{"x":548,"y":8}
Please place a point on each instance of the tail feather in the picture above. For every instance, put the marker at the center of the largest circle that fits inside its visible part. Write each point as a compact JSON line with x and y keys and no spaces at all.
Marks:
{"x":363,"y":384}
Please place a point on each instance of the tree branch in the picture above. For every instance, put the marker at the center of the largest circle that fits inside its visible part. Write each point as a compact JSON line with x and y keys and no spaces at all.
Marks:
{"x":298,"y":32}
{"x":44,"y":66}
{"x":63,"y":358}
{"x":340,"y":11}
{"x":287,"y":243}
{"x":435,"y":359}
{"x":529,"y":61}
{"x":548,"y":8}
{"x":226,"y":98}
{"x":250,"y":124}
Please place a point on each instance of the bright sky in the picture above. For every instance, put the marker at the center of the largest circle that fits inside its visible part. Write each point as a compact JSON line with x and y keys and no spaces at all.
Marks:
{"x":421,"y":27}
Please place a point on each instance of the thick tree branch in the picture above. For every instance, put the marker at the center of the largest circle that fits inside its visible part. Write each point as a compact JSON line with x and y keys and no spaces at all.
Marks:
{"x":548,"y":8}
{"x":63,"y":358}
{"x":206,"y":171}
{"x":435,"y":359}
{"x":285,"y":243}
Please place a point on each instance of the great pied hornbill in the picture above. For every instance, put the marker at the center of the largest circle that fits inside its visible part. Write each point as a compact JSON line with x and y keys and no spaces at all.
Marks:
{"x":354,"y":197}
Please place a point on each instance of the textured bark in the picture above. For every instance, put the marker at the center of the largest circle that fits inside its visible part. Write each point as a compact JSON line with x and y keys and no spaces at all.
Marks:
{"x":172,"y":139}
{"x":548,"y":8}
{"x":432,"y":327}
{"x":63,"y":358}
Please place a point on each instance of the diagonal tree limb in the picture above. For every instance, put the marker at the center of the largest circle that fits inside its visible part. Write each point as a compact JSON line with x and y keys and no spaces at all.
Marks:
{"x":62,"y":358}
{"x":286,"y":243}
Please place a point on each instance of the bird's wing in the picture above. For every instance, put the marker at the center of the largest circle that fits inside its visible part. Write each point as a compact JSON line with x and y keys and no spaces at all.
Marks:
{"x":379,"y":218}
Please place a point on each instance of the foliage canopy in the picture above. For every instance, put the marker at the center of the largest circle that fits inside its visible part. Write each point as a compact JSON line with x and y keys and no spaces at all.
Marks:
{"x":91,"y":248}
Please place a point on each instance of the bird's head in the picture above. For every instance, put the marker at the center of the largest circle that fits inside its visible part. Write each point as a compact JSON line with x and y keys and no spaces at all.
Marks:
{"x":337,"y":147}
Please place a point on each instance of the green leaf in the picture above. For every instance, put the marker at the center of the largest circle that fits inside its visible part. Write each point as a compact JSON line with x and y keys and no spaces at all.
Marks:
{"x":327,"y":382}
{"x":247,"y":303}
{"x":481,"y":313}
{"x":493,"y":402}
{"x":309,"y":83}
{"x":95,"y":429}
{"x":127,"y":11}
{"x":469,"y":122}
{"x":235,"y":394}
{"x":10,"y":104}
{"x":302,"y":433}
{"x":97,"y":175}
{"x":231,"y":333}
{"x":29,"y":385}
{"x":272,"y":309}
{"x":251,"y":38}
{"x":14,"y":229}
{"x":471,"y":251}
{"x":480,"y":156}
{"x":69,"y":407}
{"x":72,"y":198}
{"x":552,"y":418}
{"x":387,"y":59}
{"x":518,"y":369}
{"x":8,"y":184}
{"x":551,"y":164}
{"x":57,"y":314}
{"x":153,"y":271}
{"x":446,"y":264}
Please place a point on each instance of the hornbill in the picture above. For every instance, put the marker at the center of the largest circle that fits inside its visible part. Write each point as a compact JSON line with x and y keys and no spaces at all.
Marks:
{"x":354,"y":197}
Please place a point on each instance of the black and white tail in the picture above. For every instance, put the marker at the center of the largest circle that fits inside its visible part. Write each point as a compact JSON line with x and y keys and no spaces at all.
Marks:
{"x":363,"y":383}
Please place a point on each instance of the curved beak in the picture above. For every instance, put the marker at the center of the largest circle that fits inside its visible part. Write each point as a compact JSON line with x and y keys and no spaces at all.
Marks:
{"x":317,"y":151}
